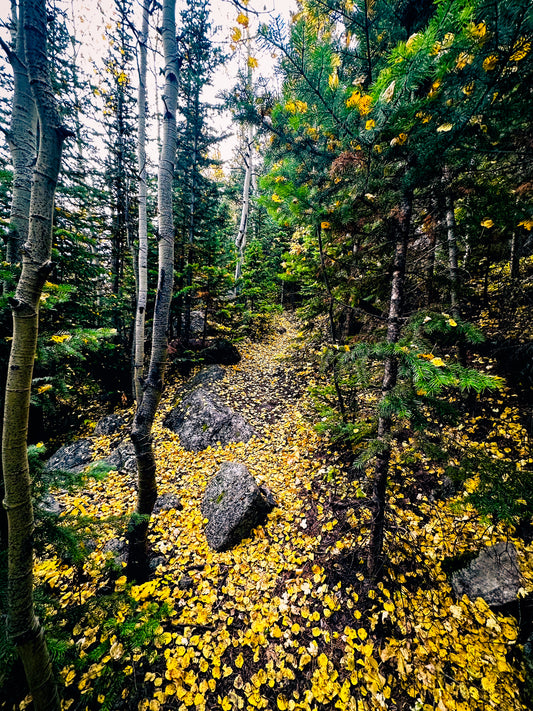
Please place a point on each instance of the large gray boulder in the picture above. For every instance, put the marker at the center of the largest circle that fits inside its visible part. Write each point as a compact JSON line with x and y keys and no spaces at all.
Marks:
{"x":207,"y":376}
{"x":233,"y":505}
{"x":202,"y":420}
{"x":109,"y":424}
{"x":494,"y":576}
{"x":72,"y":457}
{"x":122,"y":458}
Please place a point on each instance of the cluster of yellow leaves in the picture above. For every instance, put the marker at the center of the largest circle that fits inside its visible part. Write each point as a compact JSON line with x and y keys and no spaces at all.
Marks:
{"x":259,"y":627}
{"x":363,"y":102}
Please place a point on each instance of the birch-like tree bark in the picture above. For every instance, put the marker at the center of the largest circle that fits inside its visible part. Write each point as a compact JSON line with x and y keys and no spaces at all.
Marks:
{"x":240,"y":239}
{"x":21,"y":139}
{"x":153,"y":386}
{"x":23,"y":626}
{"x":390,"y":376}
{"x":142,"y":269}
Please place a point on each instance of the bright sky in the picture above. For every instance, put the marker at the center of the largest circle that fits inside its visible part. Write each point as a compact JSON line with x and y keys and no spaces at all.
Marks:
{"x":91,"y":17}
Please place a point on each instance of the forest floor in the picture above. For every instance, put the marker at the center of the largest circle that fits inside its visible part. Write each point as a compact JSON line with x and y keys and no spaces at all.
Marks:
{"x":286,"y":619}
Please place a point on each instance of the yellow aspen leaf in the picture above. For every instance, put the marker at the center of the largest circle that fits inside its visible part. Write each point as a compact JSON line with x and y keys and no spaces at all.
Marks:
{"x":353,"y":99}
{"x":437,"y":362}
{"x":490,"y":62}
{"x":325,"y":225}
{"x":276,"y":198}
{"x":282,"y":703}
{"x":154,"y":705}
{"x":521,"y":49}
{"x":239,"y":661}
{"x":444,"y":127}
{"x":236,"y":34}
{"x":526,"y":224}
{"x":242,"y":19}
{"x":452,"y":322}
{"x":389,"y":606}
{"x":333,"y":81}
{"x":479,"y":31}
{"x":468,"y":88}
{"x":487,"y":222}
{"x":369,"y":125}
{"x":362,"y":634}
{"x":252,"y":63}
{"x":365,"y":104}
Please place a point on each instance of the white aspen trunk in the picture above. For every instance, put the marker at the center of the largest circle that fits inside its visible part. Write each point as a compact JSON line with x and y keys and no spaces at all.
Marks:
{"x":142,"y":269}
{"x":240,"y":239}
{"x":23,"y":626}
{"x":21,"y":139}
{"x":146,"y":409}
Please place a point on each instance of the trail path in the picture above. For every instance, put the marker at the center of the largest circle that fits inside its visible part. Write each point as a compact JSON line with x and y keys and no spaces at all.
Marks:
{"x":285,"y":619}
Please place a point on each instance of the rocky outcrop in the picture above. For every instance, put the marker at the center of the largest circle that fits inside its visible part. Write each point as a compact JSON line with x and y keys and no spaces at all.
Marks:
{"x":72,"y":457}
{"x":233,"y":504}
{"x":109,"y":424}
{"x":122,"y":458}
{"x":493,"y":575}
{"x":202,"y":420}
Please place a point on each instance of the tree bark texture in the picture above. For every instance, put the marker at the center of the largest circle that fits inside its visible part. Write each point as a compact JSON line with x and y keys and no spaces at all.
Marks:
{"x":142,"y":269}
{"x":453,"y":261}
{"x":24,"y":628}
{"x":146,"y":410}
{"x":240,"y":239}
{"x":390,"y":375}
{"x":21,"y":140}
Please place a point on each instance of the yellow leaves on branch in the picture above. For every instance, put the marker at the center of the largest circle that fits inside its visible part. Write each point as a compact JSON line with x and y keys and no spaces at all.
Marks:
{"x":296,"y":106}
{"x":521,"y":49}
{"x":490,"y":62}
{"x":363,"y":102}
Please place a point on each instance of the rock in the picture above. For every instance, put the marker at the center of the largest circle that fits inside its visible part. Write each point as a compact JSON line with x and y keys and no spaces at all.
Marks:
{"x":109,"y":424}
{"x":154,"y":563}
{"x":207,"y":376}
{"x":50,"y":505}
{"x":221,"y":351}
{"x":197,"y":323}
{"x":494,"y":576}
{"x":185,"y":582}
{"x":166,"y":502}
{"x":119,"y":549}
{"x":72,"y":457}
{"x":122,"y":458}
{"x":201,"y":420}
{"x":234,"y":505}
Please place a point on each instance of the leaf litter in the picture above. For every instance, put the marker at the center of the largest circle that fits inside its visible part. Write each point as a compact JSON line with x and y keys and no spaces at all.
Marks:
{"x":286,"y":619}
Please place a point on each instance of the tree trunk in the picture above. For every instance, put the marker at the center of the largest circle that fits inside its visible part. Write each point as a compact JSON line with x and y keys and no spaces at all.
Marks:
{"x":24,"y":628}
{"x":452,"y":247}
{"x":146,"y":409}
{"x":142,"y":269}
{"x":379,"y":484}
{"x":514,"y":261}
{"x":21,"y":139}
{"x":240,"y":239}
